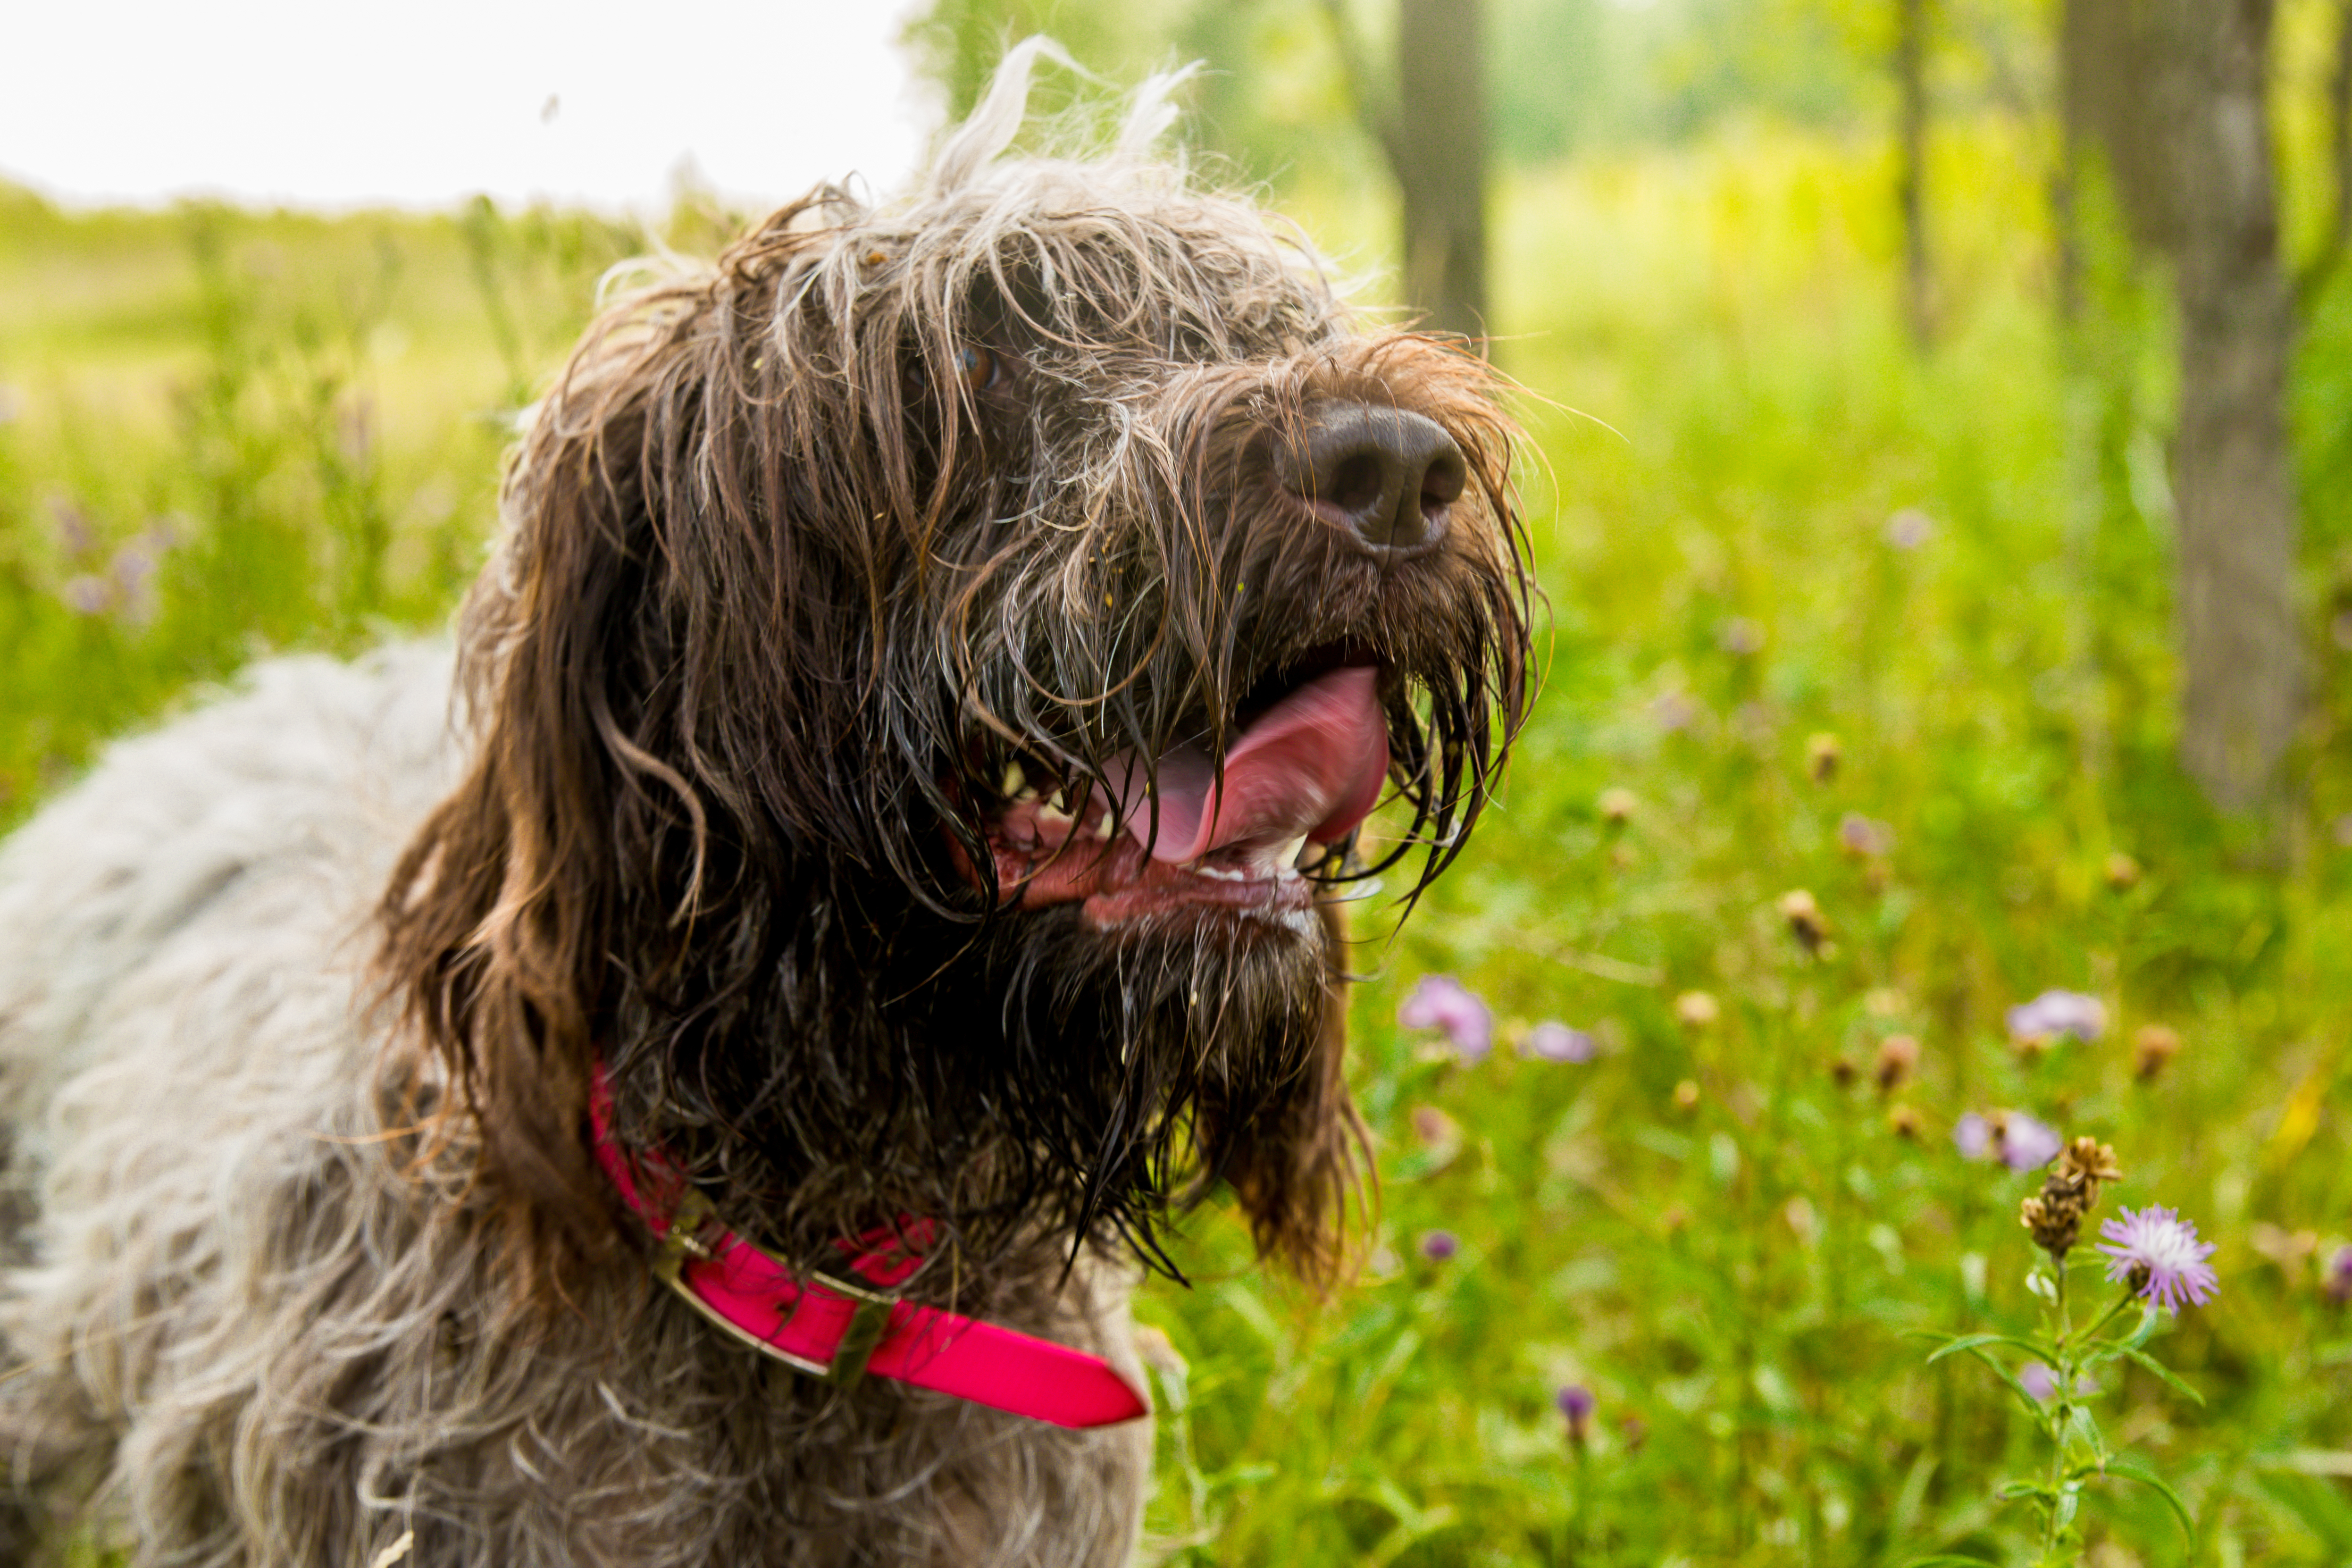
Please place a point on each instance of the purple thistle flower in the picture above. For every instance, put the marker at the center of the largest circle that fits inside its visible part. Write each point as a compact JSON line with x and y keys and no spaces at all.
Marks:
{"x":2041,"y":1383}
{"x":1740,"y":637}
{"x":2157,"y":1253}
{"x":75,"y":537}
{"x":1860,"y":835}
{"x":2058,"y":1013}
{"x":2339,"y":1276}
{"x":1442,"y":1002}
{"x":1438,"y":1245}
{"x":1576,"y":1403}
{"x":1555,"y":1042}
{"x":1972,"y":1135}
{"x":2027,"y":1144}
{"x":87,"y":594}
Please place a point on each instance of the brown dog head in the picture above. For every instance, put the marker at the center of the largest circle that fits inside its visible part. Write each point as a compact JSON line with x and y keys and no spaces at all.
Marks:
{"x":927,"y":690}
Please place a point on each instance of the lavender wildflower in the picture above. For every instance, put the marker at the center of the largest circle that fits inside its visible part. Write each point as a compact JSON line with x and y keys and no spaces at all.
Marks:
{"x":2038,"y":1380}
{"x":1576,"y":1403}
{"x":2157,"y":1254}
{"x":1740,"y":637}
{"x":1863,"y":837}
{"x":1555,"y":1042}
{"x":1440,"y":1002}
{"x":1674,"y":712}
{"x":2026,"y":1144}
{"x":2339,"y":1284}
{"x":1438,"y":1245}
{"x":75,"y":537}
{"x":1909,"y":529}
{"x":87,"y":594}
{"x":1972,"y":1135}
{"x":2056,"y":1013}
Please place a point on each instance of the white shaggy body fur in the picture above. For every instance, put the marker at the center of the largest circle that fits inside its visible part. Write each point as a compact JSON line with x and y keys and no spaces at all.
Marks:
{"x":235,"y":1333}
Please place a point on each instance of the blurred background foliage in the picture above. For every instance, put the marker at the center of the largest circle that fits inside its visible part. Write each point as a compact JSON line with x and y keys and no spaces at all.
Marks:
{"x":1832,"y":607}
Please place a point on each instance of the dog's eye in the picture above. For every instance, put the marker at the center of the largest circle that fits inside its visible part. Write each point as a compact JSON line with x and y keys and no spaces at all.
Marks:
{"x":980,"y":368}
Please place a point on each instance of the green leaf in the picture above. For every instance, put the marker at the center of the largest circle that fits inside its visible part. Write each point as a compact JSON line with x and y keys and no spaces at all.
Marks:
{"x":1943,"y":1558}
{"x":1953,"y":1342}
{"x":2320,"y":1507}
{"x":1974,"y":1345}
{"x":2149,"y":1479}
{"x":2141,"y":1358}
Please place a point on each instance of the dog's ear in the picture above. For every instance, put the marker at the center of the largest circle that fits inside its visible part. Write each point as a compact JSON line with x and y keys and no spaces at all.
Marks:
{"x":667,"y":666}
{"x":1303,"y":1170}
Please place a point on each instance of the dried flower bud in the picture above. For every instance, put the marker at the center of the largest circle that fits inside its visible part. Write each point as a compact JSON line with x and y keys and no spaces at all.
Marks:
{"x":2054,"y":1216}
{"x":1618,"y":806}
{"x":1435,"y":1128}
{"x":1903,"y":1121}
{"x":2153,"y":1047}
{"x":1805,"y":919}
{"x":1634,"y":1430}
{"x":1821,"y":756}
{"x":1675,"y":1219}
{"x":2123,"y":871}
{"x":1686,"y":1095}
{"x":2085,"y":1163}
{"x":1898,"y":1055}
{"x":2339,"y":1284}
{"x":1843,"y":1072}
{"x":1697,"y":1010}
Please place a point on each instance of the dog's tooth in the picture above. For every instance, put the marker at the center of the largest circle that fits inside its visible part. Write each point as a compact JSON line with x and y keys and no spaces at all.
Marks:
{"x":1014,"y":781}
{"x":1051,"y":815}
{"x":1054,"y":802}
{"x":1104,"y":827}
{"x":1292,"y":853}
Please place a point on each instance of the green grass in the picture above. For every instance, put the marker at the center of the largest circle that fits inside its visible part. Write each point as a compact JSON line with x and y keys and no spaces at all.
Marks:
{"x":1708,"y":1227}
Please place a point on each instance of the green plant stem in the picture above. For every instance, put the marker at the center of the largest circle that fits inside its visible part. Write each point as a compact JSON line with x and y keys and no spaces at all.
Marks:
{"x":2064,"y":1374}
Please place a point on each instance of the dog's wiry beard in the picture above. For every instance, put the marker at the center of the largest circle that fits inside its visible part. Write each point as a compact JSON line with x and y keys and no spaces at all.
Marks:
{"x":1026,"y":1085}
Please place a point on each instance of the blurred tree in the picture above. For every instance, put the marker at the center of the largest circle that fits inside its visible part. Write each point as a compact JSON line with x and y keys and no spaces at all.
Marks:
{"x":1911,"y":178}
{"x":2173,"y":91}
{"x":1433,"y":131}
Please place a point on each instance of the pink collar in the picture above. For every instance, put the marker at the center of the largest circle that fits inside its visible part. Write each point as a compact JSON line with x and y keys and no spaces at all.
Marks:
{"x":839,"y":1329}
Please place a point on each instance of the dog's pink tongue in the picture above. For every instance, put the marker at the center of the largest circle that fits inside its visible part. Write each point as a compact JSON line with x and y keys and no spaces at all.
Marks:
{"x":1312,"y":766}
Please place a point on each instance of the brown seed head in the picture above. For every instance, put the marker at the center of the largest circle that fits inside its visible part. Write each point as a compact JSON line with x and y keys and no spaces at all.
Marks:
{"x":2085,"y":1163}
{"x":2123,"y":871}
{"x":1903,"y":1121}
{"x":2153,"y":1047}
{"x":1898,"y":1055}
{"x":1618,"y":806}
{"x":1843,"y":1072}
{"x":1686,"y":1095}
{"x":1822,"y":754}
{"x":1697,"y":1010}
{"x":1805,"y":919}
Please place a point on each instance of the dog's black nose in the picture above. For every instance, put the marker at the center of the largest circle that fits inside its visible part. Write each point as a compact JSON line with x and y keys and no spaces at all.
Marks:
{"x":1384,"y":475}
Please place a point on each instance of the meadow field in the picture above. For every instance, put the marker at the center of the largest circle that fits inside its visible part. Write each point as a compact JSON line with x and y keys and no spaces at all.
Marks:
{"x":1827,"y":615}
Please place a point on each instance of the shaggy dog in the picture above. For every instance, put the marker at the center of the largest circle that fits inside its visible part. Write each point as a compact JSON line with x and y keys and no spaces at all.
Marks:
{"x":909,"y":744}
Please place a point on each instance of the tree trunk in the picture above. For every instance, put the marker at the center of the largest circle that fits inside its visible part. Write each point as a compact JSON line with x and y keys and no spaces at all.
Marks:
{"x":1438,"y":149}
{"x":2232,"y":481}
{"x":1910,"y":177}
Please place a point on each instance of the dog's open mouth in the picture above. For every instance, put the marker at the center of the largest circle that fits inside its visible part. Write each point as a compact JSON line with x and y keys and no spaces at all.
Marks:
{"x":1307,"y":765}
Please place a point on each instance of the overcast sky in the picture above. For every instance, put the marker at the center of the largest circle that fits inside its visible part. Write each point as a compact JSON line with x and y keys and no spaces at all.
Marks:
{"x":326,"y":104}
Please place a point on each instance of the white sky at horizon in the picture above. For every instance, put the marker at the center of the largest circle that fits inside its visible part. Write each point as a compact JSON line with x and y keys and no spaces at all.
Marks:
{"x":330,"y":106}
